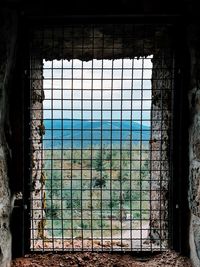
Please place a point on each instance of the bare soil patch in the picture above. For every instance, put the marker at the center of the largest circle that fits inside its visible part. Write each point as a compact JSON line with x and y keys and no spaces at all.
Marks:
{"x":89,"y":259}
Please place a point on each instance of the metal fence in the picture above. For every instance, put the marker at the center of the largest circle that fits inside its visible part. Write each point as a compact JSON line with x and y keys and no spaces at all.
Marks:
{"x":98,"y":139}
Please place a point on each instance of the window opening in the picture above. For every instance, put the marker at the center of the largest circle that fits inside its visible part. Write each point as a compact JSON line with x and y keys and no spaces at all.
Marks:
{"x":100,"y":170}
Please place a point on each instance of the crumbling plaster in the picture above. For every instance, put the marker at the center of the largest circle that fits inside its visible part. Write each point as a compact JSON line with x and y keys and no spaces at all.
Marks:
{"x":8,"y":32}
{"x":194,"y":143}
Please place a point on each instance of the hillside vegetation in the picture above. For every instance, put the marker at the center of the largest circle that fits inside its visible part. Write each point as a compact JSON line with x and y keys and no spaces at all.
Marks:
{"x":92,"y":192}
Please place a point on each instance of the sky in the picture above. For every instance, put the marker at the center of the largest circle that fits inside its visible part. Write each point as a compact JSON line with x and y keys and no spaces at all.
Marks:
{"x":98,"y":89}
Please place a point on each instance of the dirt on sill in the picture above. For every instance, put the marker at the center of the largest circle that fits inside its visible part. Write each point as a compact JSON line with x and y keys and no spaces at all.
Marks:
{"x":91,"y":259}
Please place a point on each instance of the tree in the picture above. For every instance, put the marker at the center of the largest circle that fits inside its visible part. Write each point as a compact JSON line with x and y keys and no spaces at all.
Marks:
{"x":98,"y":162}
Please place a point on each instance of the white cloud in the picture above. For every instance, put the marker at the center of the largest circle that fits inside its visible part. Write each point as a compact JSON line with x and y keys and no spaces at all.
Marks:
{"x":96,"y":97}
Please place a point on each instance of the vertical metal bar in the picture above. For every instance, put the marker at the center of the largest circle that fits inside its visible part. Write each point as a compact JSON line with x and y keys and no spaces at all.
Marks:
{"x":141,"y":147}
{"x":173,"y":183}
{"x":81,"y":156}
{"x":121,"y":193}
{"x":42,"y":160}
{"x":72,"y":135}
{"x":92,"y":154}
{"x":131,"y":155}
{"x":161,"y":161}
{"x":52,"y":144}
{"x":150,"y":168}
{"x":31,"y":152}
{"x":111,"y":143}
{"x":62,"y":147}
{"x":101,"y":143}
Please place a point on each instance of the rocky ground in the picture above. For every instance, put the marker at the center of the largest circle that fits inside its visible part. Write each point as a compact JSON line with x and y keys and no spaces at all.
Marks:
{"x":89,"y":259}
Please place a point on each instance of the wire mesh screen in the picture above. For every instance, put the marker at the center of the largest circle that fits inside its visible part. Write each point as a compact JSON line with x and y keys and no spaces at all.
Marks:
{"x":100,"y":135}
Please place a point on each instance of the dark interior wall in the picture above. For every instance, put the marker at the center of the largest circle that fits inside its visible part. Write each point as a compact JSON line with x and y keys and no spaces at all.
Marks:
{"x":14,"y":15}
{"x":8,"y":45}
{"x":145,"y":7}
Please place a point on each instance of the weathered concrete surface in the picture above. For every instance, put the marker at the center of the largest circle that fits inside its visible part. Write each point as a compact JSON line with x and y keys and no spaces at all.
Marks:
{"x":194,"y":143}
{"x":162,"y":89}
{"x":8,"y":32}
{"x":38,"y":220}
{"x":195,"y":240}
{"x":97,"y":41}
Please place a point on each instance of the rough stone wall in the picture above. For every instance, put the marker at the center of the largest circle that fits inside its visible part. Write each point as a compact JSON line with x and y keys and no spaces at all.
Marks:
{"x":162,"y":88}
{"x":87,"y":42}
{"x":8,"y":33}
{"x":194,"y":143}
{"x":38,"y":176}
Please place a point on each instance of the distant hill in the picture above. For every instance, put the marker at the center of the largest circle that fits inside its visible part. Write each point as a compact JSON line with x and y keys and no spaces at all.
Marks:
{"x":85,"y":133}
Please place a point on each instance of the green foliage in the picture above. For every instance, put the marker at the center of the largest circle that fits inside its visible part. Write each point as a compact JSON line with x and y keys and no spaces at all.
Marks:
{"x":98,"y":162}
{"x":84,"y":188}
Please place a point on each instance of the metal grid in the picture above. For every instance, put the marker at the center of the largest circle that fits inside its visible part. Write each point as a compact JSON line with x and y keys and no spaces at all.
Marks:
{"x":95,"y":125}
